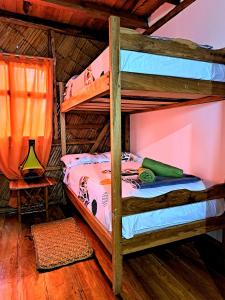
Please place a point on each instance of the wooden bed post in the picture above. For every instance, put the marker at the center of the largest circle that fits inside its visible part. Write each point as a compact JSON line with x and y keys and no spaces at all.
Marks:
{"x":62,"y":121}
{"x":115,"y":137}
{"x":127,"y":132}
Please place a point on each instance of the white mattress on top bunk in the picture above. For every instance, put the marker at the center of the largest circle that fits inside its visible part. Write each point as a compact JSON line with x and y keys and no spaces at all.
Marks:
{"x":92,"y":183}
{"x":139,"y":62}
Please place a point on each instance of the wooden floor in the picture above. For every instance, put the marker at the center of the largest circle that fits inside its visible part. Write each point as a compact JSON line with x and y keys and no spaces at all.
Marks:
{"x":193,"y":269}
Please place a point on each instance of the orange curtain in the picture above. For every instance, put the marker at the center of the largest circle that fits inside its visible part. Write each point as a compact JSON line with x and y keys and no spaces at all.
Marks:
{"x":26,"y":103}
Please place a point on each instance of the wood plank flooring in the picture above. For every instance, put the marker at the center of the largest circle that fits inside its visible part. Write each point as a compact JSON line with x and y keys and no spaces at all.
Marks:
{"x":192,"y":269}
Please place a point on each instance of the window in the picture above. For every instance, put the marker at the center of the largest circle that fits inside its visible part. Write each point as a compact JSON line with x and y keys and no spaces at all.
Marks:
{"x":25,"y":109}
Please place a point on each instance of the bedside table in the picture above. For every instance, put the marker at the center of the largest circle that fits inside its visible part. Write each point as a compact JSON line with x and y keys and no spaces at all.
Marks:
{"x":22,"y":185}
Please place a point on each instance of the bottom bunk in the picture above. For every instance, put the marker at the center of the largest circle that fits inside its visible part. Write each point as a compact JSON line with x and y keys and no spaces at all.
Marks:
{"x":147,"y":239}
{"x":169,"y":213}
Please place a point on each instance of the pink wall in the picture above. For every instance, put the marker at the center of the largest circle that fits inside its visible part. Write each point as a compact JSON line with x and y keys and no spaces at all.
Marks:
{"x":193,"y":137}
{"x":190,"y":138}
{"x":202,"y":22}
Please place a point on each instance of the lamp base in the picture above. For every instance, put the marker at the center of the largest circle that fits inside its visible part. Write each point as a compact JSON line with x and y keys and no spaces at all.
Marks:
{"x":32,"y":177}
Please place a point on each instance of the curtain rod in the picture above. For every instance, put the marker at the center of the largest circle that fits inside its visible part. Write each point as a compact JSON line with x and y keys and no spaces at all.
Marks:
{"x":6,"y":55}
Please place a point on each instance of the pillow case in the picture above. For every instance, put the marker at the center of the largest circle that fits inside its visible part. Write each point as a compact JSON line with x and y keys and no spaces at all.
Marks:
{"x":75,"y":159}
{"x":71,"y":160}
{"x":69,"y":88}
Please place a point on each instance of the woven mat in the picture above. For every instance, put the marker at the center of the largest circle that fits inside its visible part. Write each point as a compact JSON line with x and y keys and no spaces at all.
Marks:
{"x":59,"y":243}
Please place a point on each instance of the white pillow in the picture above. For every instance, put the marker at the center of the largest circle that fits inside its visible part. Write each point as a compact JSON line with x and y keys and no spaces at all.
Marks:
{"x":100,"y":158}
{"x":71,"y":160}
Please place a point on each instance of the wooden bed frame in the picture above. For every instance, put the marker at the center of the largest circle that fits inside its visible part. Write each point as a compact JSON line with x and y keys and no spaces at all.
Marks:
{"x":131,"y":93}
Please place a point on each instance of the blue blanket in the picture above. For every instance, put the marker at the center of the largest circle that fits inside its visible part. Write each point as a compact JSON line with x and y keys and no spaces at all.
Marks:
{"x":160,"y":181}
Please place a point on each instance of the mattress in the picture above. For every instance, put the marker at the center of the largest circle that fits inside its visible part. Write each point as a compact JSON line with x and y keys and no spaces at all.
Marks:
{"x":92,"y":184}
{"x":145,"y":63}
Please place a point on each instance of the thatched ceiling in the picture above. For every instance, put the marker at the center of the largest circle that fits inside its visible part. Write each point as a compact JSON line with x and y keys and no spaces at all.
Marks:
{"x":73,"y":54}
{"x":80,"y":27}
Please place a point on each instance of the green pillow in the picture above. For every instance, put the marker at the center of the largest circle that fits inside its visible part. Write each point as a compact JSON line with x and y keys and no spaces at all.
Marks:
{"x":161,"y":169}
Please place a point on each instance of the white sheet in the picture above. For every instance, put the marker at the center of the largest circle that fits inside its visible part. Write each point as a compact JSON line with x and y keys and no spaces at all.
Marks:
{"x":93,"y":184}
{"x":146,"y":63}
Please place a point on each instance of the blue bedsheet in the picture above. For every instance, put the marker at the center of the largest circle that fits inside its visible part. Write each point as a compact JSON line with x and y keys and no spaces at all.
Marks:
{"x":160,"y":181}
{"x":145,"y":63}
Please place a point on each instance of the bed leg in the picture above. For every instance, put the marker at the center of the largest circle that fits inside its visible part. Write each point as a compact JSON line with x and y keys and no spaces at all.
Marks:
{"x":117,"y":273}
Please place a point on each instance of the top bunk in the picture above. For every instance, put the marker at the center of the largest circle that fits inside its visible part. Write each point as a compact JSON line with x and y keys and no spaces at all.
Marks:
{"x":152,"y":73}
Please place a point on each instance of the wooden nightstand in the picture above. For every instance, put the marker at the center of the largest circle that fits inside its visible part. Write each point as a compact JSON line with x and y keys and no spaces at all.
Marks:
{"x":21,"y":185}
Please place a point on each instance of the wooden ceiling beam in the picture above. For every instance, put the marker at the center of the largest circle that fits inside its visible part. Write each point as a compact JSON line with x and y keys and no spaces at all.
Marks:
{"x":171,"y":14}
{"x":44,"y":24}
{"x":154,"y":5}
{"x":203,"y":100}
{"x":100,"y":12}
{"x":174,"y":2}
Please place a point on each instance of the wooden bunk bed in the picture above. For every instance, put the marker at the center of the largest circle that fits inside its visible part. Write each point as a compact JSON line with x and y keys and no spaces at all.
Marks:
{"x":126,"y":92}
